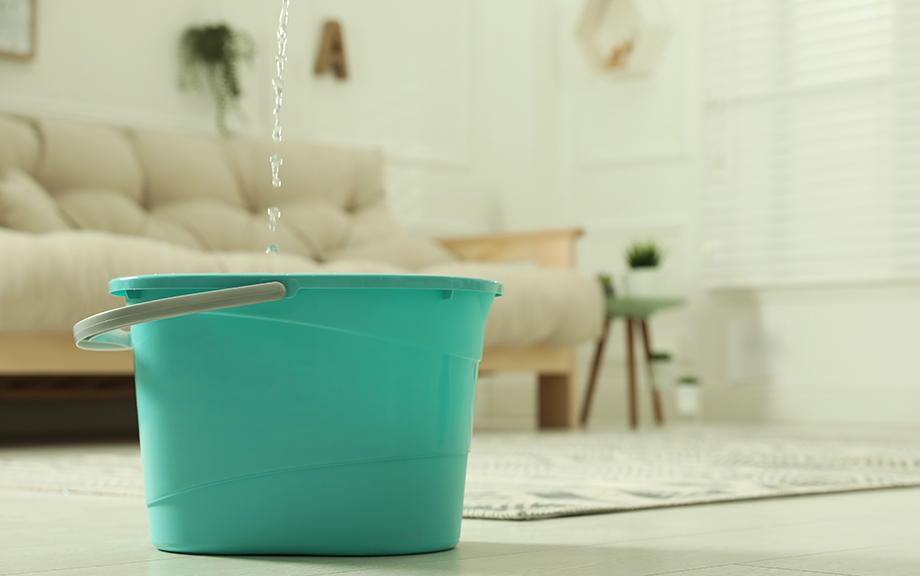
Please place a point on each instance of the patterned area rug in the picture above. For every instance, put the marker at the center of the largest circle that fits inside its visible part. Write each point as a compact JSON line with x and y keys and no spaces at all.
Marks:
{"x":526,"y":477}
{"x":531,"y":476}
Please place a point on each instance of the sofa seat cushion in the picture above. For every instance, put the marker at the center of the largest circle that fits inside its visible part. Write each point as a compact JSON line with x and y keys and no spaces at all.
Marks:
{"x":403,"y":250}
{"x":51,"y":281}
{"x":555,"y":306}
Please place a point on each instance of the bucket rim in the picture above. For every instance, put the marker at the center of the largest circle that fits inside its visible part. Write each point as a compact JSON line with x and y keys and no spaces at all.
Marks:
{"x":295,"y":282}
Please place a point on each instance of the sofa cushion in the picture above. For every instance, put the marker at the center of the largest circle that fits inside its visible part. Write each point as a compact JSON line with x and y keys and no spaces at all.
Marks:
{"x":540,"y":305}
{"x":26,"y":206}
{"x":217,"y":226}
{"x":320,"y":226}
{"x":76,"y":155}
{"x":19,"y":145}
{"x":186,"y":167}
{"x":403,"y":250}
{"x":213,"y":194}
{"x":371,"y":222}
{"x":324,"y":195}
{"x":348,"y":178}
{"x":51,"y":281}
{"x":148,"y":202}
{"x":101,"y":209}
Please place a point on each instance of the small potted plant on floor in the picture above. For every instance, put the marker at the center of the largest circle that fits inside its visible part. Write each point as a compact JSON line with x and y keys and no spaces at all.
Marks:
{"x":689,"y":401}
{"x":644,"y":277}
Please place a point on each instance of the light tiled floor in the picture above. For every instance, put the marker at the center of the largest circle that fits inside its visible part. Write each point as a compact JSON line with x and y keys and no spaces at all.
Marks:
{"x":873,"y":533}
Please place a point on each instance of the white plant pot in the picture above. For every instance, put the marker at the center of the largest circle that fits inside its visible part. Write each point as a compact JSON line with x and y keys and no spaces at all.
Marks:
{"x":689,"y":400}
{"x":645,"y":283}
{"x":663,"y":373}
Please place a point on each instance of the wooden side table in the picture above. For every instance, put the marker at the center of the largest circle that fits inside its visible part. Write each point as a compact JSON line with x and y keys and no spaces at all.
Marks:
{"x":635,"y":311}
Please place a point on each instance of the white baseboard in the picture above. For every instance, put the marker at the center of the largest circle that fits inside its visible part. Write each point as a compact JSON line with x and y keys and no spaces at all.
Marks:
{"x":803,"y":405}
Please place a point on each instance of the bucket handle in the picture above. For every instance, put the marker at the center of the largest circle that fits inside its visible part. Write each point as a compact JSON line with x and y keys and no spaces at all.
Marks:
{"x":103,"y":331}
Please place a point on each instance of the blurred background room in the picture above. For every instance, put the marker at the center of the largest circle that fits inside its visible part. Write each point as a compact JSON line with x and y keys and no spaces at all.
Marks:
{"x":767,"y":148}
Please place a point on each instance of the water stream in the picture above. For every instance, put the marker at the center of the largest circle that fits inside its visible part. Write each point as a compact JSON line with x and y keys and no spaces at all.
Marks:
{"x":274,"y":213}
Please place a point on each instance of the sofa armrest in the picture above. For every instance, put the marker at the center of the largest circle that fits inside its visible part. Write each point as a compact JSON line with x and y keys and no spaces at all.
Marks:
{"x":548,"y":249}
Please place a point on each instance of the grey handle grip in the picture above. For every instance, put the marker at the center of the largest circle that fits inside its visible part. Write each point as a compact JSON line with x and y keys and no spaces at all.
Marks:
{"x":103,"y":331}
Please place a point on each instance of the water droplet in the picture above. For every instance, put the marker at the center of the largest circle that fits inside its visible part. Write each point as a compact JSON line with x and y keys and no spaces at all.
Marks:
{"x":276,"y":166}
{"x":273,"y":214}
{"x":272,"y":249}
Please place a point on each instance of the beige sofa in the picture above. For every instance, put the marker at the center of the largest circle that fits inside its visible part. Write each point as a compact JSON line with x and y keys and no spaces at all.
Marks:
{"x":83,"y":203}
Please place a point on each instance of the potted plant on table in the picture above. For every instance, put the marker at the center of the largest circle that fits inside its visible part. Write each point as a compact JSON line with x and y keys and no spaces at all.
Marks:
{"x":644,"y":278}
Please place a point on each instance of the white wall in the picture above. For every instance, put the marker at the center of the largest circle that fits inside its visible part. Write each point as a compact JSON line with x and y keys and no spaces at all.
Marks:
{"x":849,"y":354}
{"x":111,"y":61}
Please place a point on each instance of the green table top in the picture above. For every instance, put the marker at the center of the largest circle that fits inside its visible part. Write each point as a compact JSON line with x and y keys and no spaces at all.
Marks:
{"x":639,"y":307}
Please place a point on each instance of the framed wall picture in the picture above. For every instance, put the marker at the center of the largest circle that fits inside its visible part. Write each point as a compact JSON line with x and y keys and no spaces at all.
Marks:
{"x":17,"y":28}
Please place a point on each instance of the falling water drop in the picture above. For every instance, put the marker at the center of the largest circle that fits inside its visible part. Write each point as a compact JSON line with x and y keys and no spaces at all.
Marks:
{"x":273,"y":214}
{"x":276,"y":166}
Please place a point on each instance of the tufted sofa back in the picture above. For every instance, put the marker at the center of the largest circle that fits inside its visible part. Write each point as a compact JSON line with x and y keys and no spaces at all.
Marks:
{"x":209,"y":193}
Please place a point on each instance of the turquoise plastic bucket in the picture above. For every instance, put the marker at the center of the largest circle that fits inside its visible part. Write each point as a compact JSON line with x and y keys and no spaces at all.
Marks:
{"x":335,"y":420}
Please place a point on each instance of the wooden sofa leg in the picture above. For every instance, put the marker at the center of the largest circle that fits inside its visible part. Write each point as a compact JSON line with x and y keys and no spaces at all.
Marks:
{"x":557,"y":399}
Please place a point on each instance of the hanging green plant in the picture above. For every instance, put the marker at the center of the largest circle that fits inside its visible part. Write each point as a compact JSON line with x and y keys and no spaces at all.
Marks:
{"x":214,"y":52}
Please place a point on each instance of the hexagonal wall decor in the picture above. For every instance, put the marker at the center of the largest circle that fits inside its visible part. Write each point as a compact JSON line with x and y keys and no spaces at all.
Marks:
{"x":623,"y":36}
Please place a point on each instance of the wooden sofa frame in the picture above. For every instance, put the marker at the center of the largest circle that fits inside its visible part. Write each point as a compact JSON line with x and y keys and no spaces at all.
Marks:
{"x":49,"y":366}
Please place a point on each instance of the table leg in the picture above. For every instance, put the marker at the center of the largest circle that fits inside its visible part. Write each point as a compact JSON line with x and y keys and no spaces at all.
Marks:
{"x":656,"y":397}
{"x":631,"y":373}
{"x":595,"y":369}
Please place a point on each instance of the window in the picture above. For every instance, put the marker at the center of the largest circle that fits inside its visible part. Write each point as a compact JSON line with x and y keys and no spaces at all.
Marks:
{"x":811,"y":140}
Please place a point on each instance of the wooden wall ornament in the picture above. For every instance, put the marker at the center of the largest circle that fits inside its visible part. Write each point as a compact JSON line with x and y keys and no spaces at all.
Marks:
{"x":332,"y":51}
{"x":623,"y":37}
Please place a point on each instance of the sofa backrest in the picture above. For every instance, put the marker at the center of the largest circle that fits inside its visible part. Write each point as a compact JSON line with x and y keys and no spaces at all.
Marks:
{"x":211,"y":193}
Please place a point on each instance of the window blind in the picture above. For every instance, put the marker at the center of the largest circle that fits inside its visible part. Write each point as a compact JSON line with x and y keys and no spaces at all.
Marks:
{"x":811,"y":140}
